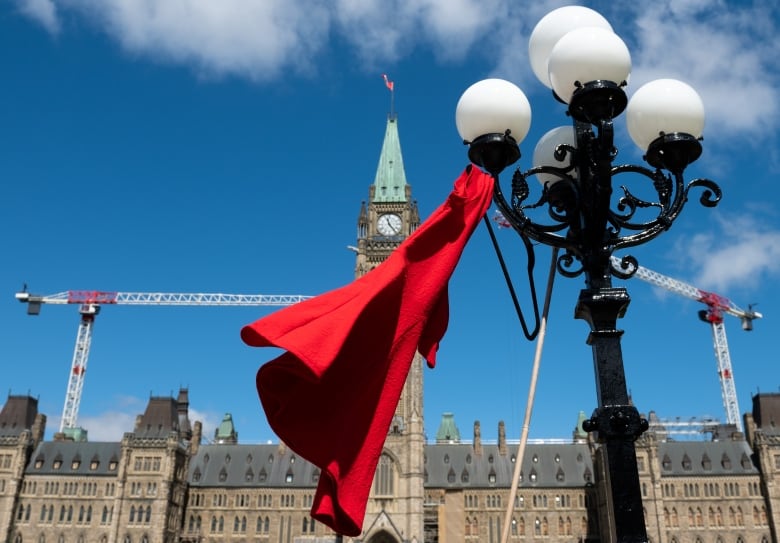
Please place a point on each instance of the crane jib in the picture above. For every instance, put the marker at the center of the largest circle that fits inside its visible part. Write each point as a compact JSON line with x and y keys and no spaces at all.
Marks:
{"x":91,"y":297}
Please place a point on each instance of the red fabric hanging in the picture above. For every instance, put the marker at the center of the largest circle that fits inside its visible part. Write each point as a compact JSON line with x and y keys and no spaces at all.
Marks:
{"x":332,"y":395}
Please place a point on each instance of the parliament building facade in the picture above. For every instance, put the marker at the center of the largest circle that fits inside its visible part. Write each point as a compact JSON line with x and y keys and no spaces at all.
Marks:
{"x":164,"y":483}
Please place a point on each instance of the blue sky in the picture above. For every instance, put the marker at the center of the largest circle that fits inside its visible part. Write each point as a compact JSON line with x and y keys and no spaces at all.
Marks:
{"x":226,"y":147}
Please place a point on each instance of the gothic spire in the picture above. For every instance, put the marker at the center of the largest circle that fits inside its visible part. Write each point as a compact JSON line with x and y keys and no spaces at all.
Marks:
{"x":390,"y":181}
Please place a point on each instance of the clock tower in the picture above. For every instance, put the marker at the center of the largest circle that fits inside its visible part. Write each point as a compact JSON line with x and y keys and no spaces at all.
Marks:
{"x":395,"y":507}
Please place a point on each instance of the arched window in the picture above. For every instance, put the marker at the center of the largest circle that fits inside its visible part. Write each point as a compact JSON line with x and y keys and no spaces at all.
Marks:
{"x":148,"y":514}
{"x":132,"y":513}
{"x":384,"y":480}
{"x":266,"y":525}
{"x":213,"y":524}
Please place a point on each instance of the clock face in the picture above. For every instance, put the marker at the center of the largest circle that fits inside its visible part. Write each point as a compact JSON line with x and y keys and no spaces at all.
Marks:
{"x":389,"y":224}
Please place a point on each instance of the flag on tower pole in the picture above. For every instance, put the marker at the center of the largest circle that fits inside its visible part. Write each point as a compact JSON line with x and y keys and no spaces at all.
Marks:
{"x":391,"y":87}
{"x":388,"y":83}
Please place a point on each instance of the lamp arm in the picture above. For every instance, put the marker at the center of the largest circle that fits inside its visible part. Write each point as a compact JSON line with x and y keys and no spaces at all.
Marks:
{"x":516,"y":217}
{"x":670,"y":208}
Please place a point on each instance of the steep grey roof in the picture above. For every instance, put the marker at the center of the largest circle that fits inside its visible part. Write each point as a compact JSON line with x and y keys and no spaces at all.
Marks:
{"x":91,"y":458}
{"x":160,"y":418}
{"x":18,"y":414}
{"x":544,"y":465}
{"x":766,"y":412}
{"x":697,"y":458}
{"x":250,"y":466}
{"x":552,"y":466}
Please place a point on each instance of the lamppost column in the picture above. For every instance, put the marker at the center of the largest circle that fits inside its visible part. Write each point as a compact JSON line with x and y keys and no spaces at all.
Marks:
{"x":617,"y":423}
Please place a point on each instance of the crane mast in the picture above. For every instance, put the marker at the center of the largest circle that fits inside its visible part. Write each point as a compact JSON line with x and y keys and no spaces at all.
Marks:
{"x":90,"y":301}
{"x":717,"y":307}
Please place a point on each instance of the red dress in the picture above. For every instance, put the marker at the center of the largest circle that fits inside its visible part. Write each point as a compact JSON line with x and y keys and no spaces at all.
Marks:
{"x":331,"y":396}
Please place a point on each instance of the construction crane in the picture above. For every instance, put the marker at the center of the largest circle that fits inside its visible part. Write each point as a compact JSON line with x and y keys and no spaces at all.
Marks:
{"x":717,"y":307}
{"x":90,"y":301}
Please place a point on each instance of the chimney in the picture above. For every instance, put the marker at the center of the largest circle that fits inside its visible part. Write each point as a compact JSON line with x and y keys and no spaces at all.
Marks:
{"x":501,"y":438}
{"x":477,"y":438}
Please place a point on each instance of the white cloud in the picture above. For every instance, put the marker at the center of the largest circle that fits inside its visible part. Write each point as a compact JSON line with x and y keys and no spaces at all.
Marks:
{"x":726,"y":50}
{"x":210,"y":421}
{"x":42,"y":11}
{"x":108,"y":426}
{"x":382,"y":31}
{"x":741,"y":254}
{"x":256,"y":39}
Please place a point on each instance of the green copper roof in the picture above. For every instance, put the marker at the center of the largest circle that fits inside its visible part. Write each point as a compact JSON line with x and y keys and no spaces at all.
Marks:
{"x":448,"y":432}
{"x":579,"y":433}
{"x":390,"y":181}
{"x":226,"y":431}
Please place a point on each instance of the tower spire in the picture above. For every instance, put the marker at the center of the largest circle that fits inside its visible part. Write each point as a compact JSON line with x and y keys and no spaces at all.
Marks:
{"x":390,"y":181}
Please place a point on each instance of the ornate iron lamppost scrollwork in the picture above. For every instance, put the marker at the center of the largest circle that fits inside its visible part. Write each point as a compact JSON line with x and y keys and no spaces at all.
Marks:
{"x":575,"y":52}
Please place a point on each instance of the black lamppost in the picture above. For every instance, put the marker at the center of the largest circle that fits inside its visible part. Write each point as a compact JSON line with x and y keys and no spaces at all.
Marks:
{"x":574,"y":51}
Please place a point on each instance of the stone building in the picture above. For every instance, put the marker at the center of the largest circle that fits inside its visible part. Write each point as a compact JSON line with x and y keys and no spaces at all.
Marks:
{"x":162,"y":484}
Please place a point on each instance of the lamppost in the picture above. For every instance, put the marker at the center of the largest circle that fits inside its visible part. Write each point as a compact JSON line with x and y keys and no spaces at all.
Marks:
{"x":575,"y":52}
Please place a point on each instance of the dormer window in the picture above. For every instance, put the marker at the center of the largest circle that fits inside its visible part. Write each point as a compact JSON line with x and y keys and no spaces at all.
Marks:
{"x":686,"y":463}
{"x":666,"y":463}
